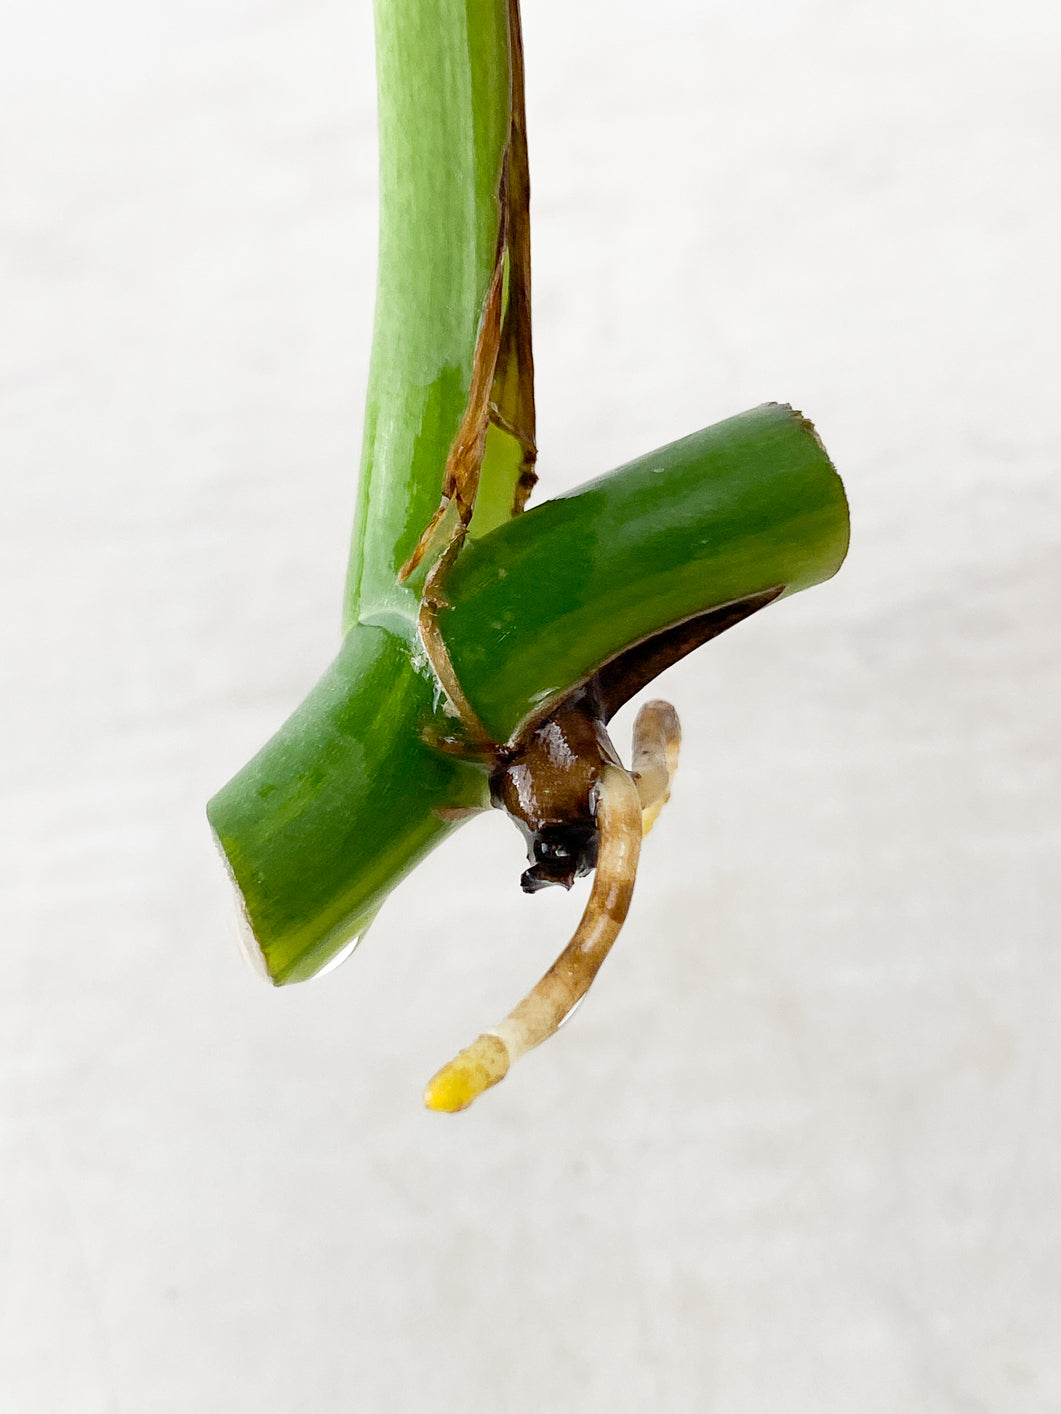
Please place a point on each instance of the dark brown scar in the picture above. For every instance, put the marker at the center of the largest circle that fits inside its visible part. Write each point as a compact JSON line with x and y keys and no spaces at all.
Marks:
{"x":623,"y":676}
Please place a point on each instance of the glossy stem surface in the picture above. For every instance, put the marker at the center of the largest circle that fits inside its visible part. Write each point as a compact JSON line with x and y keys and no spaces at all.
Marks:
{"x":337,"y":807}
{"x":444,"y":115}
{"x":747,"y":505}
{"x":345,"y":799}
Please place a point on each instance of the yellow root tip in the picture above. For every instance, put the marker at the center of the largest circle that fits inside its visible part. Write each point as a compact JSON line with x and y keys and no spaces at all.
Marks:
{"x":478,"y":1066}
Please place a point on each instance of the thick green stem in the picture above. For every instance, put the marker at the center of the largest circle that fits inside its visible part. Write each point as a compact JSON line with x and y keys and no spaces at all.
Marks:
{"x":444,"y":118}
{"x":748,"y":505}
{"x":344,"y":800}
{"x":338,"y":806}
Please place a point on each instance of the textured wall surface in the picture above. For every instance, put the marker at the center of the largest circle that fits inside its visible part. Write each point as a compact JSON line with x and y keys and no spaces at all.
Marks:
{"x":800,"y":1150}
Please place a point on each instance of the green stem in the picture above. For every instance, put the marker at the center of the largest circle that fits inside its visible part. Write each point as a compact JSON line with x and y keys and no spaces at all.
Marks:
{"x":338,"y":806}
{"x":444,"y":116}
{"x":343,"y":801}
{"x":748,"y":505}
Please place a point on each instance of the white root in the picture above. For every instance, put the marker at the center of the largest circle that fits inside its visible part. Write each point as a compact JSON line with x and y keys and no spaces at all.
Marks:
{"x":657,"y":739}
{"x":539,"y":1015}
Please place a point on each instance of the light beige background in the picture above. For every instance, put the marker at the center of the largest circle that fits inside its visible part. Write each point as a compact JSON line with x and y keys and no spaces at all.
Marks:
{"x":799,"y":1152}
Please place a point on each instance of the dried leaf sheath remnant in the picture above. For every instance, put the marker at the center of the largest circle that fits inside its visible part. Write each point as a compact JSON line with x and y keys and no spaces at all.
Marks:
{"x":502,"y":382}
{"x":460,"y":482}
{"x":501,"y":394}
{"x":512,"y":402}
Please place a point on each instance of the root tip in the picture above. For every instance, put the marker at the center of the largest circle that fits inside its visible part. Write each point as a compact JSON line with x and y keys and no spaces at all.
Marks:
{"x":478,"y":1066}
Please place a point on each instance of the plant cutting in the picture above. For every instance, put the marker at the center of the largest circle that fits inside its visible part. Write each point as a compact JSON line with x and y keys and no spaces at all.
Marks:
{"x":485,"y":645}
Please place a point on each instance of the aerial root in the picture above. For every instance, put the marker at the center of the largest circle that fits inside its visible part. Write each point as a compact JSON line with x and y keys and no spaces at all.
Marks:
{"x":657,"y":739}
{"x":540,"y":1013}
